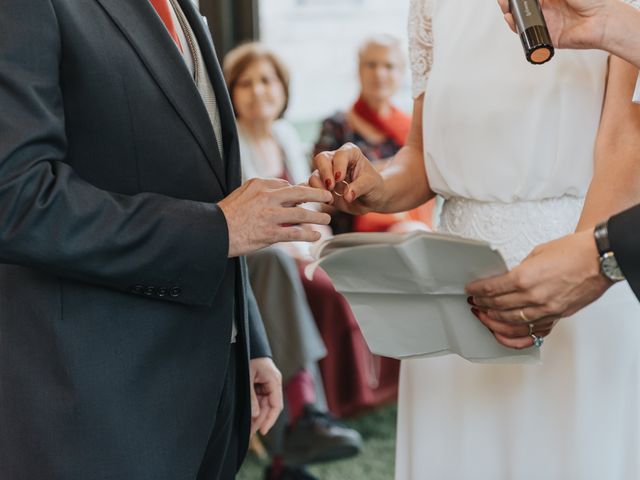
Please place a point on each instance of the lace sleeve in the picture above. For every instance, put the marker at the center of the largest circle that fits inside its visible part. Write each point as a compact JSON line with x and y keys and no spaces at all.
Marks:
{"x":421,"y":44}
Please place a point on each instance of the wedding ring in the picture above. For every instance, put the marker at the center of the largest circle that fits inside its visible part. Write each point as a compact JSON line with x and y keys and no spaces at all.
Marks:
{"x":537,"y":341}
{"x":346,"y":187}
{"x":524,"y":317}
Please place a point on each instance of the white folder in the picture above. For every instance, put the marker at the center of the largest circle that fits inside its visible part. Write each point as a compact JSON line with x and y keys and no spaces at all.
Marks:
{"x":407,"y":293}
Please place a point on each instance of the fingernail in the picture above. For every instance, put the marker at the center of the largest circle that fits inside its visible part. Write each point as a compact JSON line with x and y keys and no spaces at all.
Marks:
{"x":470,"y":301}
{"x":476,"y":312}
{"x":337,"y":176}
{"x":353,"y":196}
{"x":327,"y":183}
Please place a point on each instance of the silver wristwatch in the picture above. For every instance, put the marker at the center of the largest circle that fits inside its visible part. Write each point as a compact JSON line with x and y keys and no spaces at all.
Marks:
{"x":608,"y":263}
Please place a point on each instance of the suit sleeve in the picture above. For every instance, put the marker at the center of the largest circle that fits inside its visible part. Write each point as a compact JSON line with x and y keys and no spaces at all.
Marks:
{"x":53,"y":220}
{"x":624,"y":235}
{"x":258,"y":340}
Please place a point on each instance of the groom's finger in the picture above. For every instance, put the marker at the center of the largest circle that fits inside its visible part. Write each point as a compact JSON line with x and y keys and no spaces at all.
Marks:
{"x":274,"y":405}
{"x":264,"y":412}
{"x":315,"y":181}
{"x":270,"y":420}
{"x":255,"y":410}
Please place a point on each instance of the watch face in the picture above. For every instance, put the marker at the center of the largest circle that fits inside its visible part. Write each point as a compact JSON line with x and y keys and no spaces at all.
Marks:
{"x":610,"y":267}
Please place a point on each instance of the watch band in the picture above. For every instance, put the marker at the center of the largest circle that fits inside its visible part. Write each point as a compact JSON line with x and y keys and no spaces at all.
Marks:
{"x":601,"y":234}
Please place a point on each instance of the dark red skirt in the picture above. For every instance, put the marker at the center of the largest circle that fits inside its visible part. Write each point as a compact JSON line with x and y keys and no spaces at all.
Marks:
{"x":355,"y":380}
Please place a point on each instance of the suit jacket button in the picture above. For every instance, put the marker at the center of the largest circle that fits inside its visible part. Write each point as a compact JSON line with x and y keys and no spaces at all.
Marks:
{"x":175,"y":292}
{"x":149,"y":291}
{"x":139,"y":289}
{"x":162,"y":292}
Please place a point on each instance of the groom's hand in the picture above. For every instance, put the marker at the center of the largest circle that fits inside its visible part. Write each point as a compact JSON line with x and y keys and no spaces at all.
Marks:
{"x":263,"y":212}
{"x":266,"y":394}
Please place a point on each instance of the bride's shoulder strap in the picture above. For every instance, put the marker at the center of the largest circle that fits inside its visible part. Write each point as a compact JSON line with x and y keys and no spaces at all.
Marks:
{"x":420,"y":44}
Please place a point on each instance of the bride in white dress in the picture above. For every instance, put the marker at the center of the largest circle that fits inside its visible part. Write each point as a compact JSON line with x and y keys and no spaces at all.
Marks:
{"x":514,"y":149}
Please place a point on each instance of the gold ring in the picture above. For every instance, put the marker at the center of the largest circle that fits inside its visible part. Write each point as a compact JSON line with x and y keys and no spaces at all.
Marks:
{"x":338,"y":194}
{"x":524,"y":317}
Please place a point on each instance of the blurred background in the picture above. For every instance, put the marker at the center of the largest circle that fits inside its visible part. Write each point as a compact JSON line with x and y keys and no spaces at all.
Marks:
{"x":318,"y":39}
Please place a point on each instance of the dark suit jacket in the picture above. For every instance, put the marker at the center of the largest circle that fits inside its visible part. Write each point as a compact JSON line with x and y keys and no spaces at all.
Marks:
{"x":624,"y":235}
{"x":116,"y":293}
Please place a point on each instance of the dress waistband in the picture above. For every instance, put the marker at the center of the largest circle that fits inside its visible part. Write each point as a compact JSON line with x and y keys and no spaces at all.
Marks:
{"x":513,"y":228}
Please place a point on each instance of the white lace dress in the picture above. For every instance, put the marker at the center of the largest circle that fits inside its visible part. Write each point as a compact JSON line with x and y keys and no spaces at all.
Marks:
{"x":510,"y":147}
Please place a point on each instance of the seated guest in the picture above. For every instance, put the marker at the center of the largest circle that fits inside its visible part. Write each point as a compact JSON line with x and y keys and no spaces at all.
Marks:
{"x":269,"y":148}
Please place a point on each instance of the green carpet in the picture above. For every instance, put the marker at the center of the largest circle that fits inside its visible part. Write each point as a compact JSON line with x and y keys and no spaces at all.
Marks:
{"x":378,"y":430}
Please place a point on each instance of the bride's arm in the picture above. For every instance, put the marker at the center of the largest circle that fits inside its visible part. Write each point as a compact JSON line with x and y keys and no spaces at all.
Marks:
{"x":405,"y":178}
{"x":616,"y":180}
{"x":401,"y":186}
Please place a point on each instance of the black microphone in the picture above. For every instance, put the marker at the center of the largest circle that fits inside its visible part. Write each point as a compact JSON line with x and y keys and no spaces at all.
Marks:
{"x":533,"y":31}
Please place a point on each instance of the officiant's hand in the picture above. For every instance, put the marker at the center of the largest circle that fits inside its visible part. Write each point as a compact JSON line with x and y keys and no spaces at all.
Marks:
{"x":575,"y":23}
{"x":356,"y":184}
{"x":556,"y":280}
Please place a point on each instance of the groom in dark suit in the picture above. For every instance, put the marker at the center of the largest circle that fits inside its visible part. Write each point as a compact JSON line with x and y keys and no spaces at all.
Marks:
{"x":130,"y":348}
{"x":624,"y":236}
{"x":563,"y":276}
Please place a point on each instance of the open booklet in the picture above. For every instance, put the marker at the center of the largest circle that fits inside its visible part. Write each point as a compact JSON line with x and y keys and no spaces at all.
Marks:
{"x":407,"y":293}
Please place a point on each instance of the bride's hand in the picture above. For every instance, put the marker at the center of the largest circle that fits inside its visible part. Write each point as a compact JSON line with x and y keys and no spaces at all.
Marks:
{"x":572,"y":23}
{"x":348,"y":165}
{"x":514,"y":336}
{"x":556,"y":280}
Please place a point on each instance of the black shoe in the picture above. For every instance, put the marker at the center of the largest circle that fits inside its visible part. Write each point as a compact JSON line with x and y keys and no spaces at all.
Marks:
{"x":289,"y":473}
{"x":317,"y":437}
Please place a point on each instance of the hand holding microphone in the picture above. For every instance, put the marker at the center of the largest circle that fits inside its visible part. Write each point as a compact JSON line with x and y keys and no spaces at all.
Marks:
{"x":610,"y":25}
{"x":576,"y":24}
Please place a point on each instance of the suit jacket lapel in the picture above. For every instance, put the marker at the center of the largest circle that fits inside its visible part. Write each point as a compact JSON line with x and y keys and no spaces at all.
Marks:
{"x":227,"y":116}
{"x":146,"y":33}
